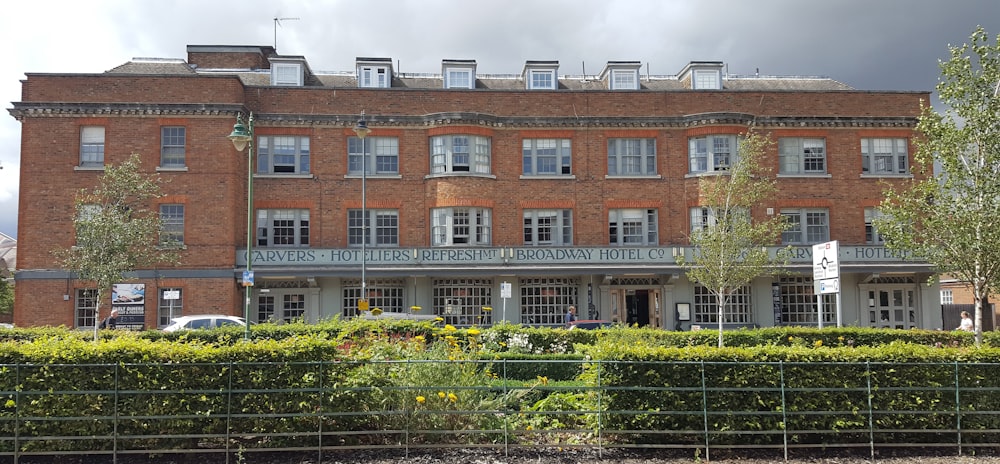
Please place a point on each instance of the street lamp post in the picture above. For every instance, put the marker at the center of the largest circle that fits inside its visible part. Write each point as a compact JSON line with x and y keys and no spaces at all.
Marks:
{"x":242,"y":137}
{"x":362,"y":130}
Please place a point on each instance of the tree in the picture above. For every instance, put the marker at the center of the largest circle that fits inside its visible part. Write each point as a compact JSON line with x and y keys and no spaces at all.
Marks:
{"x":6,"y":295}
{"x":950,"y":217}
{"x":116,"y":231}
{"x":730,"y":247}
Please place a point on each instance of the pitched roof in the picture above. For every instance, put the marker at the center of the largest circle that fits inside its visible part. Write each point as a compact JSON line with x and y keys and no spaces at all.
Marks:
{"x":348,"y":79}
{"x":8,"y":254}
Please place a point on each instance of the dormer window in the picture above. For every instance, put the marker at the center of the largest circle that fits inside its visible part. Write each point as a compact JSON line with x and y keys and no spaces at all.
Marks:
{"x":621,"y":75}
{"x":707,"y":79}
{"x":288,"y":71}
{"x":541,"y":75}
{"x":373,"y":76}
{"x":459,"y":74}
{"x":703,"y":75}
{"x":374,"y":73}
{"x":286,"y":74}
{"x":542,"y":79}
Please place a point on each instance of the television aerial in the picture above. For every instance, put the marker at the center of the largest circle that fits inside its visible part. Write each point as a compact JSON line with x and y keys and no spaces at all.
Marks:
{"x":277,"y":22}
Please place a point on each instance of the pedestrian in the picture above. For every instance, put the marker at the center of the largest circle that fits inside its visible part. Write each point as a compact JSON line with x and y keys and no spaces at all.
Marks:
{"x":111,"y":321}
{"x":570,"y":316}
{"x":966,"y":323}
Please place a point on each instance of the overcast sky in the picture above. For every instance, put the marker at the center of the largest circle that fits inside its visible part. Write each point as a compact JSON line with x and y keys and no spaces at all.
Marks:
{"x":867,"y":44}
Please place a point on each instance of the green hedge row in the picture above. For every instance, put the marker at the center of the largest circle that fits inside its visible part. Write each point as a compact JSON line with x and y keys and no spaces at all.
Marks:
{"x":534,"y":339}
{"x":900,"y":392}
{"x":158,"y":391}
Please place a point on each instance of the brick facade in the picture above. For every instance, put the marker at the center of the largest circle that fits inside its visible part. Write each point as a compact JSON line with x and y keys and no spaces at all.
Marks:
{"x":133,"y":107}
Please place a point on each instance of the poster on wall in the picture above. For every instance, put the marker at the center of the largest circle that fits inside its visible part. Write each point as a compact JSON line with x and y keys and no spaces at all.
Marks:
{"x":130,"y":301}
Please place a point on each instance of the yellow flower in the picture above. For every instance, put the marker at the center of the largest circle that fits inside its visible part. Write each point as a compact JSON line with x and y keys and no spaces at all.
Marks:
{"x":449,"y":328}
{"x":544,"y":380}
{"x":438,"y":319}
{"x":376,"y":311}
{"x":841,"y":338}
{"x":818,"y":343}
{"x":452,"y":397}
{"x":441,"y":395}
{"x":415,"y":308}
{"x":529,"y":427}
{"x":487,"y":308}
{"x":473,"y":332}
{"x":421,"y":399}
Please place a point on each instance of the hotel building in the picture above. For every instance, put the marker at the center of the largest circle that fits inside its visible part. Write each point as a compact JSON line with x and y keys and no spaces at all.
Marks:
{"x":474,"y":197}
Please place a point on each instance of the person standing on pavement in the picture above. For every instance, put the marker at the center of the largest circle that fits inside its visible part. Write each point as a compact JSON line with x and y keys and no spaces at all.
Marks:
{"x":570,"y":316}
{"x":966,"y":323}
{"x":111,"y":321}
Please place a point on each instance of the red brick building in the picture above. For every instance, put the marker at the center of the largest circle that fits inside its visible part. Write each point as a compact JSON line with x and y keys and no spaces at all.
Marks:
{"x":487,"y":197}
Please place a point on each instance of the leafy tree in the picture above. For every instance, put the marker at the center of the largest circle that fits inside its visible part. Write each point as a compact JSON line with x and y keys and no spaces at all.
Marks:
{"x":116,"y":231}
{"x":950,"y":217}
{"x":6,"y":295}
{"x":731,"y":248}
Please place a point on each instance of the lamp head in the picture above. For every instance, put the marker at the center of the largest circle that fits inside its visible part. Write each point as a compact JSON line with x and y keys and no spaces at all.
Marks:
{"x":362,"y":129}
{"x":240,"y":136}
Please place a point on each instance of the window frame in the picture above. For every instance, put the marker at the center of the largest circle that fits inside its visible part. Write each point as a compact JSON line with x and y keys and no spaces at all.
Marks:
{"x":381,"y":235}
{"x":92,"y":146}
{"x":798,"y":302}
{"x":542,"y":79}
{"x":380,"y":157}
{"x":947,"y":296}
{"x":172,"y":224}
{"x":792,"y":151}
{"x":560,"y":159}
{"x":543,"y":300}
{"x":622,"y":220}
{"x":267,"y":150}
{"x":468,"y":81}
{"x":266,"y":234}
{"x":645,"y":159}
{"x":461,"y":302}
{"x":173,"y":146}
{"x":899,"y":156}
{"x":705,"y":309}
{"x":560,"y":229}
{"x":711,"y":157}
{"x":386,"y":294}
{"x":374,"y":77}
{"x":85,"y":307}
{"x":703,"y":218}
{"x":281,"y":73}
{"x":445,"y":230}
{"x":624,"y":79}
{"x":796,"y":217}
{"x":872,"y":235}
{"x":279,"y":305}
{"x":445,"y":159}
{"x":706,"y":79}
{"x":166,"y":310}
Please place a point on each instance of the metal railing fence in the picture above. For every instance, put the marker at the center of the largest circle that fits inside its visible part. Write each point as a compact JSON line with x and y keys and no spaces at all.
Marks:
{"x":145,"y":409}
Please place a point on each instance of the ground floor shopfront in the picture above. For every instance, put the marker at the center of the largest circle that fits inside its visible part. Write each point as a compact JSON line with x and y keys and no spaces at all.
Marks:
{"x":643,"y":286}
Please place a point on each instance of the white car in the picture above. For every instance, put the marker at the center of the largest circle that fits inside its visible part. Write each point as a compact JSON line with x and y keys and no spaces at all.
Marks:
{"x":203,"y":321}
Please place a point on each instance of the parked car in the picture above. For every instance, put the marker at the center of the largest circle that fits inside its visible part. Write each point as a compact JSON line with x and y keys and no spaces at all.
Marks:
{"x":203,"y":321}
{"x":590,"y":324}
